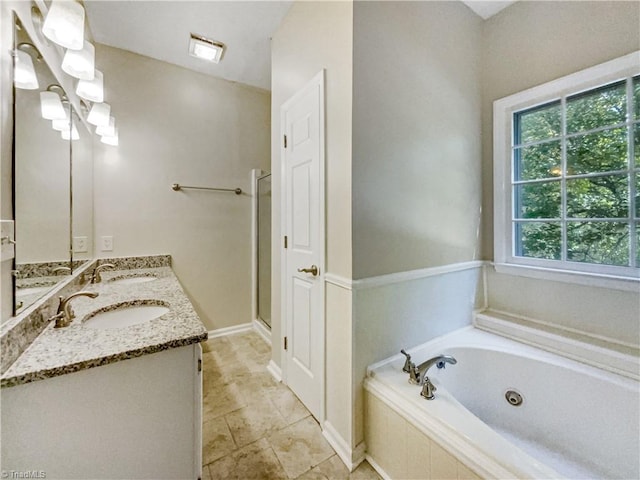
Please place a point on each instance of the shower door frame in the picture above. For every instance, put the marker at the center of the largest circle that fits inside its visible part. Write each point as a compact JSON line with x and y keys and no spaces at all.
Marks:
{"x":257,"y":251}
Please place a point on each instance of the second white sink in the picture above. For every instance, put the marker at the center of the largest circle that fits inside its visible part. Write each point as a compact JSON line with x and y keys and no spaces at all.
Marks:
{"x":126,"y":316}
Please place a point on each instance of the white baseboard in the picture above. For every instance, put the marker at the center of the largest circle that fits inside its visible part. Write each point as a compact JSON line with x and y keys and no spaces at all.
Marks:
{"x":221,"y":332}
{"x":275,"y":371}
{"x":262,"y":330}
{"x":350,"y":457}
{"x":377,"y":467}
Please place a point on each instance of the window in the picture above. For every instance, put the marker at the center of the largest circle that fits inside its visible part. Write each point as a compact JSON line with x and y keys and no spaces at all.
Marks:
{"x":567,"y":173}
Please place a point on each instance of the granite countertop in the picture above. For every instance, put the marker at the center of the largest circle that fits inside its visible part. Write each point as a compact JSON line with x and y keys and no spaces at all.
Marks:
{"x":28,"y":290}
{"x":58,"y":351}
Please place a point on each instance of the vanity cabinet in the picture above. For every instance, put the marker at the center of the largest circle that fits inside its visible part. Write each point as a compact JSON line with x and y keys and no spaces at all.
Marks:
{"x":139,"y":418}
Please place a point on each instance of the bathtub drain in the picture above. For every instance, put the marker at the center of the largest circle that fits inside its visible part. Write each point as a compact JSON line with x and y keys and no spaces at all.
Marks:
{"x":513,"y":397}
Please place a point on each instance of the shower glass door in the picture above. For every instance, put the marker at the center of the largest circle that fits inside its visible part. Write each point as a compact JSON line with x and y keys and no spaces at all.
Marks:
{"x":264,"y":249}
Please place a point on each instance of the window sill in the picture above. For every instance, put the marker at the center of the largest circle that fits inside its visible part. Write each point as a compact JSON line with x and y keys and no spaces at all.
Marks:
{"x":627,"y":284}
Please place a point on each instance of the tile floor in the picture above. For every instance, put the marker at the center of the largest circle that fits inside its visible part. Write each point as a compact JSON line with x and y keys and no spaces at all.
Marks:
{"x":256,"y":428}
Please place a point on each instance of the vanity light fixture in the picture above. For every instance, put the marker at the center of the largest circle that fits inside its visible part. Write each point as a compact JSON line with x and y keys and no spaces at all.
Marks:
{"x":24,"y":75}
{"x":61,"y":125}
{"x":92,"y":90}
{"x":51,"y":106}
{"x":64,"y":24}
{"x":107,"y":130}
{"x":80,"y":63}
{"x":70,"y":134}
{"x":205,"y":48}
{"x":110,"y":139}
{"x":99,"y":114}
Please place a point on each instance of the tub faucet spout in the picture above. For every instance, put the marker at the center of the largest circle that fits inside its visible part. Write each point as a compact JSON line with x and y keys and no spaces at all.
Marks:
{"x":419,"y":375}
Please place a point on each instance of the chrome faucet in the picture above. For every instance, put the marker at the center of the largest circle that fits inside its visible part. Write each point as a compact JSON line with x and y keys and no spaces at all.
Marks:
{"x":418,"y":374}
{"x":65,"y":314}
{"x":66,"y":270}
{"x":95,"y":276}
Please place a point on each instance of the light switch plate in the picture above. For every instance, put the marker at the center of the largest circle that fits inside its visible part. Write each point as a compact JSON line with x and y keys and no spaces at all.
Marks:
{"x":106,"y":243}
{"x":7,"y":235}
{"x":80,"y":244}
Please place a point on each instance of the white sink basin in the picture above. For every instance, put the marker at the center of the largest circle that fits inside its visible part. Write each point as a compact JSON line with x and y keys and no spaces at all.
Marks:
{"x":126,"y":316}
{"x":23,"y":292}
{"x":132,"y":279}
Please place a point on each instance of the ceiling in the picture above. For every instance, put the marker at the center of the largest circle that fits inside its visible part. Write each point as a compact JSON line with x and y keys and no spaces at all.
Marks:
{"x":161,"y":30}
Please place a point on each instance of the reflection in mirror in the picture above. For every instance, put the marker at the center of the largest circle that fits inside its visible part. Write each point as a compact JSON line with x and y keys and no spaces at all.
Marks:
{"x":82,"y":194}
{"x":42,"y":178}
{"x":41,"y":192}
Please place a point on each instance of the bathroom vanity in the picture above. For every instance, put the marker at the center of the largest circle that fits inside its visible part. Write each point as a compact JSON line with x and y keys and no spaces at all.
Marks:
{"x":111,"y":400}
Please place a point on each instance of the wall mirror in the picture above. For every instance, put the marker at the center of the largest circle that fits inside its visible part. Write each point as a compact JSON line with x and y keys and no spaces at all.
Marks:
{"x":53,"y":170}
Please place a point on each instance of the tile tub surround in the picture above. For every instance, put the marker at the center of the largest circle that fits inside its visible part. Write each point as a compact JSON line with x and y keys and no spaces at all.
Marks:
{"x":78,"y":347}
{"x":399,"y":450}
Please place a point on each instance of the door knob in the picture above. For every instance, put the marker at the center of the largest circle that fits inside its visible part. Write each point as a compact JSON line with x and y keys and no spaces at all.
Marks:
{"x":313,"y":270}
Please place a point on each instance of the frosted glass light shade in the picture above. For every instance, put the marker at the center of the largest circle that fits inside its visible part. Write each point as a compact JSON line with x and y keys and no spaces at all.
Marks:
{"x":64,"y":24}
{"x":92,"y":90}
{"x":61,"y":124}
{"x":70,"y":134}
{"x":107,"y":130}
{"x":24,"y":75}
{"x":99,"y":114}
{"x":80,"y":63}
{"x":51,"y":106}
{"x":111,"y":139}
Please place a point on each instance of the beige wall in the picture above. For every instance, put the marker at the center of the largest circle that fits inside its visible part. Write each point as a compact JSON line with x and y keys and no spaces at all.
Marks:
{"x":525,"y":45}
{"x":313,"y":36}
{"x":416,"y":136}
{"x":179,"y":126}
{"x":416,"y":173}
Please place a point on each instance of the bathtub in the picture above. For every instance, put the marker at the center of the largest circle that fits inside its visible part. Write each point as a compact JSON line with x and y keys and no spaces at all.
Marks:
{"x":575,"y":421}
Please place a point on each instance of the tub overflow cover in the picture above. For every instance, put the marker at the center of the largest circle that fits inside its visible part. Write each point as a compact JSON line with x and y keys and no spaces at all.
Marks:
{"x":513,"y":397}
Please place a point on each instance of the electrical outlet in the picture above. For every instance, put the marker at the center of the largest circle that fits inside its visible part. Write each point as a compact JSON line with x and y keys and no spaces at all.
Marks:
{"x":107,"y":244}
{"x":80,"y":244}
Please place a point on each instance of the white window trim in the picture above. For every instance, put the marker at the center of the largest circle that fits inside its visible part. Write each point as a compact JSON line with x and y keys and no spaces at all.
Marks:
{"x":623,"y":278}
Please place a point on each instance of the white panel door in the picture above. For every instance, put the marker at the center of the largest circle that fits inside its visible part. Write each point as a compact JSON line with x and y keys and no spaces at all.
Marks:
{"x":303,"y":216}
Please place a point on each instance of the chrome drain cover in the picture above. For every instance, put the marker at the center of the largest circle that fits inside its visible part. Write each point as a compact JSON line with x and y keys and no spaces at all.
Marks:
{"x":514,"y":398}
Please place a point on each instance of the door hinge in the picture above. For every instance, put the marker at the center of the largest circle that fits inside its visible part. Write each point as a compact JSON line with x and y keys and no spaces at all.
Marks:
{"x":199,"y":364}
{"x":286,"y":242}
{"x":285,"y":141}
{"x":285,"y":343}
